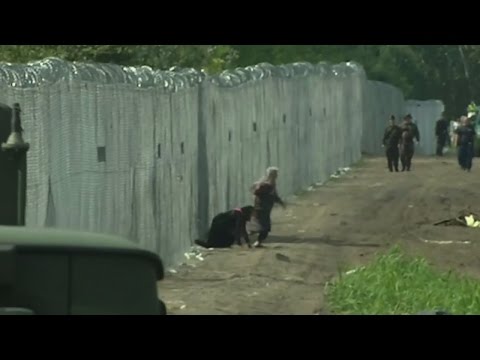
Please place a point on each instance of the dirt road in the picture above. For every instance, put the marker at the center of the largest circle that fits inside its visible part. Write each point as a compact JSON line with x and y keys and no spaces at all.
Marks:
{"x":339,"y":225}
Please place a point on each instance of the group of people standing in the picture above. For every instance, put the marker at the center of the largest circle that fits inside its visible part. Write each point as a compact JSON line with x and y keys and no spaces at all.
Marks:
{"x":399,"y":143}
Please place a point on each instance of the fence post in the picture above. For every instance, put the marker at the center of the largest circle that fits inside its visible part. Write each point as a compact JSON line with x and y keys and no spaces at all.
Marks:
{"x":16,"y":149}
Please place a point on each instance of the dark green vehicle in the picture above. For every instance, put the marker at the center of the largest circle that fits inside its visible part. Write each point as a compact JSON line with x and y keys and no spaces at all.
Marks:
{"x":56,"y":272}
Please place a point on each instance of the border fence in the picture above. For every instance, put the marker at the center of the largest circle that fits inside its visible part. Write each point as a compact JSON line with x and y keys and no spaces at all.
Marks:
{"x":153,"y":155}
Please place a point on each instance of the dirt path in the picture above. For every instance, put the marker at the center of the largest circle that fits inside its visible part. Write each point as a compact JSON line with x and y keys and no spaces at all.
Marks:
{"x":336,"y":226}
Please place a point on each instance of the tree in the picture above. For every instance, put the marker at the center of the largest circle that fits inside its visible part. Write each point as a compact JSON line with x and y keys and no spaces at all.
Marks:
{"x":446,"y":72}
{"x":421,"y":71}
{"x":213,"y":58}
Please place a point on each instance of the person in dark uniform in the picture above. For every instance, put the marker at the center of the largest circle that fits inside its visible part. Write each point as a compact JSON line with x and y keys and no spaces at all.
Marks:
{"x":407,"y":147}
{"x":391,"y":141}
{"x":441,"y":131}
{"x":465,"y":140}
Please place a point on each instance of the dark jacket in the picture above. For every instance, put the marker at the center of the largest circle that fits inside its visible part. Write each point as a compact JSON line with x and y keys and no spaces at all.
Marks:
{"x":466,"y":135}
{"x":409,"y":133}
{"x":441,"y":128}
{"x":392,"y":136}
{"x":265,"y":197}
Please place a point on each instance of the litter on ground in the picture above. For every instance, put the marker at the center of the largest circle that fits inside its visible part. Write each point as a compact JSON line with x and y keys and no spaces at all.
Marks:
{"x":351,"y":272}
{"x":444,"y":242}
{"x":354,"y":270}
{"x":340,"y":172}
{"x":469,"y":220}
{"x":472,"y":222}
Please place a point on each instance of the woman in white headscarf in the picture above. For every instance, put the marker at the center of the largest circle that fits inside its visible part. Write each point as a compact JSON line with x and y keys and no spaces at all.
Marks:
{"x":266,"y":196}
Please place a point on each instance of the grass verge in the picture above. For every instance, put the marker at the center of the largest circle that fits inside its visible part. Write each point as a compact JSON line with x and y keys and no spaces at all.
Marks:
{"x":396,"y":284}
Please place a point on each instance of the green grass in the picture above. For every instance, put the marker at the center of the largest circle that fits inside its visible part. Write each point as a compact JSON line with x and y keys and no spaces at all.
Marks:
{"x":397,"y":284}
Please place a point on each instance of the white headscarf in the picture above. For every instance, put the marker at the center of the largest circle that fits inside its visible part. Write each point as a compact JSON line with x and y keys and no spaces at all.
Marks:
{"x":267,"y":178}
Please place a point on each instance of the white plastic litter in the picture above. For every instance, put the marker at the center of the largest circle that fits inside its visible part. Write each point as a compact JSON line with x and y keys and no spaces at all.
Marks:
{"x":354,"y":270}
{"x":472,"y":222}
{"x":445,"y":242}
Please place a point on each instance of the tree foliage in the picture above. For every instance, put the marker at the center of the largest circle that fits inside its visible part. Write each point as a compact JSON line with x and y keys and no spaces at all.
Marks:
{"x":446,"y":72}
{"x":421,"y":71}
{"x":213,"y":58}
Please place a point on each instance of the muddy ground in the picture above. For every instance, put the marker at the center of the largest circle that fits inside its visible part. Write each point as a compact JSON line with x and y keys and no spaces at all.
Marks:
{"x":339,"y":225}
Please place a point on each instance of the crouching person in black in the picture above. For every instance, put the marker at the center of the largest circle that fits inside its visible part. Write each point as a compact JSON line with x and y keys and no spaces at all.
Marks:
{"x":228,"y":228}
